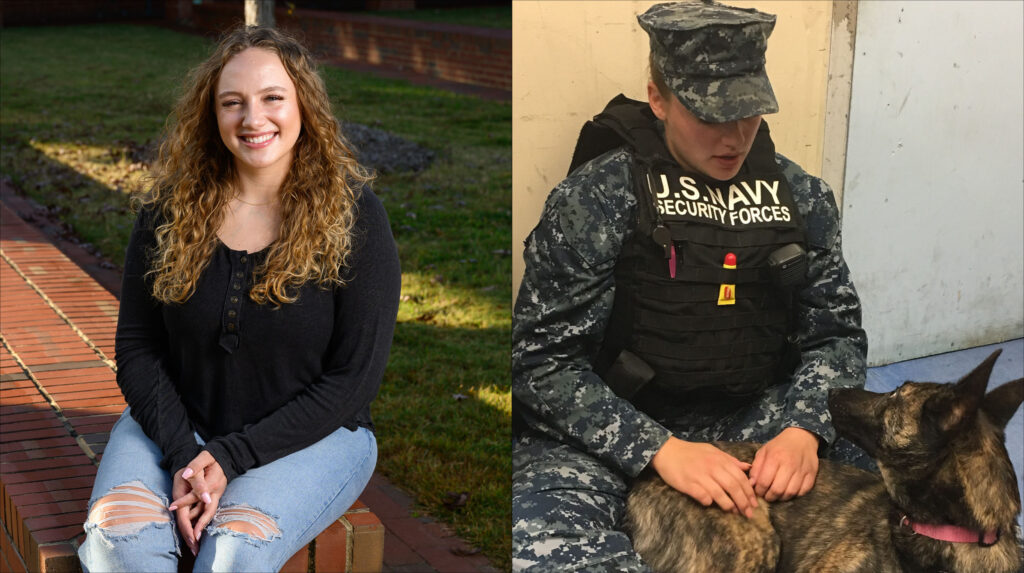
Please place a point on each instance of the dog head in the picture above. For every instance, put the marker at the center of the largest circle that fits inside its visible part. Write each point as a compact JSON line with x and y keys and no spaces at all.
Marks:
{"x":939,"y":445}
{"x":912,"y":425}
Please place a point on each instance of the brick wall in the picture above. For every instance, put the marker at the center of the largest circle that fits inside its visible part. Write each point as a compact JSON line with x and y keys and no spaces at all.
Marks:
{"x":481,"y":57}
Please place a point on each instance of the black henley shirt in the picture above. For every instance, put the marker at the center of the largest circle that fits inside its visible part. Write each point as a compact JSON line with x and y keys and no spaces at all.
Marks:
{"x":254,"y":381}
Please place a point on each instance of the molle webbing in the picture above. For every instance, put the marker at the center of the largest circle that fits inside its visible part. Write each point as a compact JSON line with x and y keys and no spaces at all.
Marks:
{"x":662,"y":321}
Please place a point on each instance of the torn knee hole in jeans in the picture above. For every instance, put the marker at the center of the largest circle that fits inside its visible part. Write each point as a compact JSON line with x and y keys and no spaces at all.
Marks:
{"x":127,"y":509}
{"x":246,"y":521}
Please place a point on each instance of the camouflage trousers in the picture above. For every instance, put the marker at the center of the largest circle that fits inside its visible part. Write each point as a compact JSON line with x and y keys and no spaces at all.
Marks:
{"x":567,"y":506}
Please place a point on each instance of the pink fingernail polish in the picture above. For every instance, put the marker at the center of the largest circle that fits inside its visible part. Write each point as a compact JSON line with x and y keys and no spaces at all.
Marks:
{"x":199,"y":533}
{"x":172,"y":508}
{"x":187,"y":473}
{"x":206,"y":498}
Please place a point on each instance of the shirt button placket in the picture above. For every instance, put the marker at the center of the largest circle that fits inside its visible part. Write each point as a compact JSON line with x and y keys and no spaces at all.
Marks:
{"x":234,"y":299}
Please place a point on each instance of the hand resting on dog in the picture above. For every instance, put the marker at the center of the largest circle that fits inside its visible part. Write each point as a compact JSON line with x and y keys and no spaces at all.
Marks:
{"x":786,"y":466}
{"x":783,"y":468}
{"x":707,"y":474}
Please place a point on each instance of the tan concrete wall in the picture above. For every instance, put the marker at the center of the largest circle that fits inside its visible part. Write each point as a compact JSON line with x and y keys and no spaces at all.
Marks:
{"x":570,"y":57}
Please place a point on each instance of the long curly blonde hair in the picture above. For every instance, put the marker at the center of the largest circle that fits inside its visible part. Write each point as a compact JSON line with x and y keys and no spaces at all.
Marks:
{"x":191,"y":183}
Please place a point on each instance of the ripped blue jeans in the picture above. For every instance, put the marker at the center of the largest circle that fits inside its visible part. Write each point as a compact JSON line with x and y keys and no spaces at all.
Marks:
{"x":265,"y":516}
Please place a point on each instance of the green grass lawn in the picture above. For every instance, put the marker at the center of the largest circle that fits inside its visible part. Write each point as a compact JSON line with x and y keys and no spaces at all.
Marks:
{"x":77,"y":102}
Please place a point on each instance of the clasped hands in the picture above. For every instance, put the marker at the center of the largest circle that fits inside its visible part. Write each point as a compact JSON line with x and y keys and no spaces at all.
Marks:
{"x":783,"y":468}
{"x":197,"y":489}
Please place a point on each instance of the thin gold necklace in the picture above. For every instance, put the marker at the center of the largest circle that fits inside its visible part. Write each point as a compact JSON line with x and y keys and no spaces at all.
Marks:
{"x":256,"y":204}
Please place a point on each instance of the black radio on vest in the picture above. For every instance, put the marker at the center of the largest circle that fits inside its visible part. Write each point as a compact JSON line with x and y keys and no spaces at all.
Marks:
{"x":704,"y":284}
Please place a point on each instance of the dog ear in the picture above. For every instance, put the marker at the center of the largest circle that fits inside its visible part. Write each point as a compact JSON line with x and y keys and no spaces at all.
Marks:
{"x":950,"y":412}
{"x":971,"y":388}
{"x":1000,"y":404}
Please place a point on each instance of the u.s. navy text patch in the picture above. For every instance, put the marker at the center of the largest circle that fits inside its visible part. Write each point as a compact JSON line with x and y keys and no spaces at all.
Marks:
{"x":756,"y":200}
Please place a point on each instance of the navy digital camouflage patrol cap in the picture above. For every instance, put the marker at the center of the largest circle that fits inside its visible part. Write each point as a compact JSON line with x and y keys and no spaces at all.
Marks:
{"x":712,"y":57}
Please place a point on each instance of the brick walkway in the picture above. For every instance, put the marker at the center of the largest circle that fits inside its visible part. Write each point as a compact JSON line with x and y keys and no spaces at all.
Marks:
{"x":58,"y":326}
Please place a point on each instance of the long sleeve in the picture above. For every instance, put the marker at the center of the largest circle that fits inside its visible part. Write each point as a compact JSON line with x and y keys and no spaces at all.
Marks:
{"x":365,"y":310}
{"x":140,"y":350}
{"x":833,"y":346}
{"x":560,"y":315}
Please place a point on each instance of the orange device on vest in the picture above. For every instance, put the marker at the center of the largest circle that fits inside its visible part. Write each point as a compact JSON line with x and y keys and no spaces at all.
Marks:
{"x":727,"y":292}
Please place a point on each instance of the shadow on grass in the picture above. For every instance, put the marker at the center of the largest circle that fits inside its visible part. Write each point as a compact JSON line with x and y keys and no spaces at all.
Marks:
{"x":82,"y":208}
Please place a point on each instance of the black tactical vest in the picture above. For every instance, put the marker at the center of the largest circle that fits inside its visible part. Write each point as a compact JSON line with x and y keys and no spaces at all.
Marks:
{"x":704,"y":285}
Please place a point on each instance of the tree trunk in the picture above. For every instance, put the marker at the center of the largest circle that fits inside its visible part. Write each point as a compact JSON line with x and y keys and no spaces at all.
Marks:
{"x":259,"y":13}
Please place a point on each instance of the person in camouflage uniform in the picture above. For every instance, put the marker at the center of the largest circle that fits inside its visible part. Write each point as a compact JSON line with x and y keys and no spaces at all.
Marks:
{"x":582,"y":444}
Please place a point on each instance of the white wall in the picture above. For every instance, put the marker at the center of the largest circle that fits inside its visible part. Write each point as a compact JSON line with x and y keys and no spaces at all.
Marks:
{"x":934,"y":190}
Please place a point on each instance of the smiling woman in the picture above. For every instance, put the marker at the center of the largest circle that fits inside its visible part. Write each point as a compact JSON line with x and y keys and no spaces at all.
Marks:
{"x":257,"y":311}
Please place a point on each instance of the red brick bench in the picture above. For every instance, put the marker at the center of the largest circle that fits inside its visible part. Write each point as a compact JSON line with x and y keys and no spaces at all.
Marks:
{"x":58,"y":401}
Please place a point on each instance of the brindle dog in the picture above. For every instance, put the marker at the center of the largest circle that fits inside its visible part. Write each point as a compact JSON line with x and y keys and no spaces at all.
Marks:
{"x":944,"y":473}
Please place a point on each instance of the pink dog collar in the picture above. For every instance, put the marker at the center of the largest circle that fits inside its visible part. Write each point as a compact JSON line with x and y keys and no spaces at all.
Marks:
{"x":952,"y":533}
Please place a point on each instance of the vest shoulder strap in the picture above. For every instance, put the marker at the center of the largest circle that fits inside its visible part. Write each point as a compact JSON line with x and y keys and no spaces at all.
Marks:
{"x":761,"y":158}
{"x":624,"y":121}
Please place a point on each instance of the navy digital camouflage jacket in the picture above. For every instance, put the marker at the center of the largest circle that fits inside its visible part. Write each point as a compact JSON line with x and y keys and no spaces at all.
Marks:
{"x":566,"y":296}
